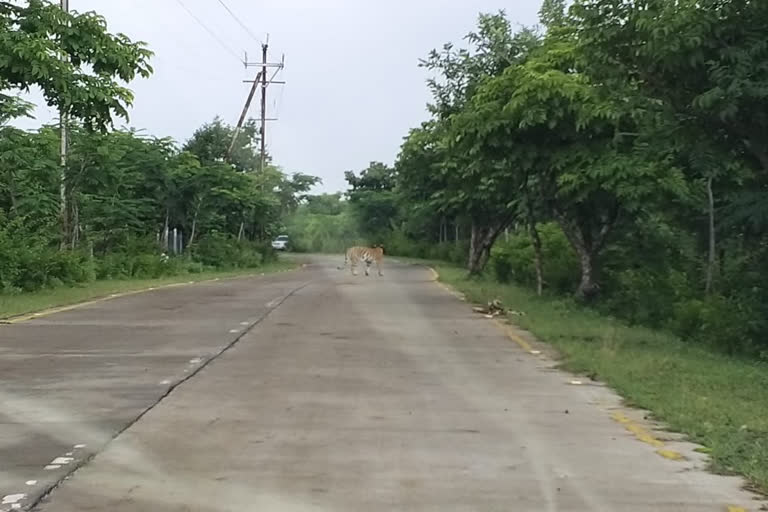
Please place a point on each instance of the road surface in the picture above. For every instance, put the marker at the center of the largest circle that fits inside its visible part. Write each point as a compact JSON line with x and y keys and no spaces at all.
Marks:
{"x":314,"y":390}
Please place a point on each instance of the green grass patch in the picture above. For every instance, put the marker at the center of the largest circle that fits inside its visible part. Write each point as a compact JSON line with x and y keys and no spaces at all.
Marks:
{"x":22,"y":303}
{"x":719,"y":401}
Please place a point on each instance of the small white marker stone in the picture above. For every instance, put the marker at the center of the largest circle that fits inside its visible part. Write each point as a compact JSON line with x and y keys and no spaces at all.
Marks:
{"x":234,"y":331}
{"x":196,"y":360}
{"x":80,"y":446}
{"x":165,"y":382}
{"x":50,"y":467}
{"x":62,"y":460}
{"x":244,"y":323}
{"x":576,"y":382}
{"x":535,"y":352}
{"x":31,"y":482}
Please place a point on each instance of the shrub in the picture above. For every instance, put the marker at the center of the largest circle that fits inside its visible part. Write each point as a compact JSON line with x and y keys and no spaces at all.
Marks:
{"x":513,"y":260}
{"x":222,"y":251}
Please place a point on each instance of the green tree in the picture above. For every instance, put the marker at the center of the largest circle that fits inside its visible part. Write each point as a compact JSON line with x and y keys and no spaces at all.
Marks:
{"x":211,"y":143}
{"x":78,"y":65}
{"x":372,"y":197}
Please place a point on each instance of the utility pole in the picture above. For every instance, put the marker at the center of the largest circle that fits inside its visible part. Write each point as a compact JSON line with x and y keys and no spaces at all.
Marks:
{"x":63,"y":163}
{"x":264,"y":48}
{"x":243,"y":114}
{"x":264,"y":81}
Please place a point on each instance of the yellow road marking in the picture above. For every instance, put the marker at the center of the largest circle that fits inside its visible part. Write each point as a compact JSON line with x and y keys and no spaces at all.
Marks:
{"x":736,"y":509}
{"x":645,"y":436}
{"x":504,"y":327}
{"x":513,"y":336}
{"x":640,"y":433}
{"x":671,"y":454}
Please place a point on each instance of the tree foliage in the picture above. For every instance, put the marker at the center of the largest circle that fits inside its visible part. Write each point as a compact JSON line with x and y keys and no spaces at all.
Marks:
{"x":78,"y":65}
{"x":637,"y":129}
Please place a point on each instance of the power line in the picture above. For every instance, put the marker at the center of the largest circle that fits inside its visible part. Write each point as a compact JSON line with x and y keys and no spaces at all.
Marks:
{"x":210,"y":32}
{"x":237,"y":19}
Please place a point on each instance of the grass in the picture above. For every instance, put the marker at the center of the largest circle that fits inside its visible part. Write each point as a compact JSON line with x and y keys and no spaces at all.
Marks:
{"x":718,"y":401}
{"x":19,"y":304}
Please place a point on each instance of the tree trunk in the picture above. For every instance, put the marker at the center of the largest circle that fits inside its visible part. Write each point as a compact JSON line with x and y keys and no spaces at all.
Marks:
{"x":194,"y":230}
{"x":480,"y":243}
{"x":587,"y":243}
{"x":456,"y":228}
{"x":75,"y":223}
{"x":712,"y":259}
{"x":166,"y":228}
{"x":536,"y":241}
{"x":588,"y":288}
{"x":12,"y":193}
{"x":240,"y":233}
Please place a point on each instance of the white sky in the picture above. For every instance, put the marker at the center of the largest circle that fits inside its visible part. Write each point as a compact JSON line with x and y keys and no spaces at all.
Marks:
{"x":354,"y":87}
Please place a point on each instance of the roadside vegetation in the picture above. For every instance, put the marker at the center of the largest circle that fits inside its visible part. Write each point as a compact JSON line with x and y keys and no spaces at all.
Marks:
{"x":607,"y":173}
{"x":124,"y":206}
{"x":13,"y":305}
{"x":718,"y":400}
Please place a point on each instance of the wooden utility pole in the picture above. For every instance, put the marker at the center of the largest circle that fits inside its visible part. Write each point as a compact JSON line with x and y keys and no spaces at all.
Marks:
{"x":63,"y":163}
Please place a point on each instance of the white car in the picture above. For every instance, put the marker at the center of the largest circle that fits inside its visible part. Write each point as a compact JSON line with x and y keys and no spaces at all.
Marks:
{"x":280,"y":243}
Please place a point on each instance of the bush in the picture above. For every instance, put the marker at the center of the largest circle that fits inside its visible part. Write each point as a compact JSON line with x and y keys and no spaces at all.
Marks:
{"x":502,"y":266}
{"x":222,"y":251}
{"x":30,"y":263}
{"x":514,"y":260}
{"x":716,"y":321}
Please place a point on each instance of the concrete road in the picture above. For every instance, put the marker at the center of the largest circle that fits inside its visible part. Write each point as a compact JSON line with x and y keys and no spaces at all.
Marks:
{"x":316,"y":391}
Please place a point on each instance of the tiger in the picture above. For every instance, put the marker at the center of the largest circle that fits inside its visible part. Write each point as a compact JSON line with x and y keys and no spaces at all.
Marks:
{"x":368,"y":255}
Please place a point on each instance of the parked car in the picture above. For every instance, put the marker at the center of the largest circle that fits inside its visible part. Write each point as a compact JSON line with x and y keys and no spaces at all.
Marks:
{"x":280,"y":243}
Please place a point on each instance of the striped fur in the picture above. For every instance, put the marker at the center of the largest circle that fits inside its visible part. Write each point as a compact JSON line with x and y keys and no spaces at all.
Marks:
{"x":367,"y":255}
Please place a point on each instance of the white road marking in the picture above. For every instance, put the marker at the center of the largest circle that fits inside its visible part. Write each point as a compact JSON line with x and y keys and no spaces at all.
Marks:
{"x":49,"y":467}
{"x":196,"y":360}
{"x":165,"y":382}
{"x":274,"y":302}
{"x":69,"y":454}
{"x":245,"y":323}
{"x":61,"y":461}
{"x":79,"y":446}
{"x":234,"y":331}
{"x":31,"y":482}
{"x":10,"y":499}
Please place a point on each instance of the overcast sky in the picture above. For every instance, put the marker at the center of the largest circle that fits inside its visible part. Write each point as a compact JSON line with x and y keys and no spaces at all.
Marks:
{"x":353,"y":88}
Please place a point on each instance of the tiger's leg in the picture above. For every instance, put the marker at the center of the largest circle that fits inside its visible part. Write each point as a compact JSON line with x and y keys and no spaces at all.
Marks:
{"x":367,"y":266}
{"x":378,"y":267}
